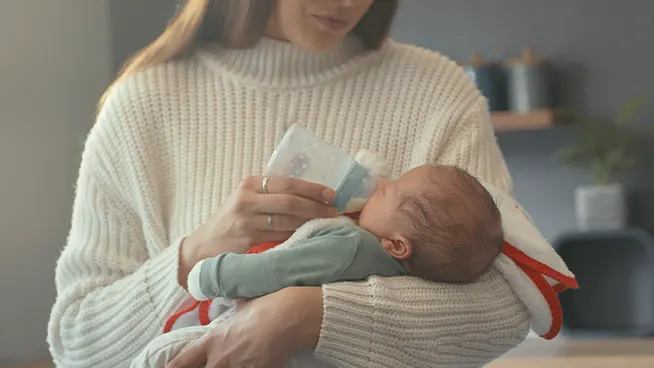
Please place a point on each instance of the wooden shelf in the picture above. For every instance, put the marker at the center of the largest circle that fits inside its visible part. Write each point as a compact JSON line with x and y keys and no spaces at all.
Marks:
{"x":504,"y":121}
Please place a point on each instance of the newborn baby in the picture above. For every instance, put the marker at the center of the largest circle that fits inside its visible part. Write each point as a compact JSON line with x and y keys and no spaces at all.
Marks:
{"x":435,"y":222}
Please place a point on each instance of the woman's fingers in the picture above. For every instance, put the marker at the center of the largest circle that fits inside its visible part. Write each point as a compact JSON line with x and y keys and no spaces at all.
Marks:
{"x":194,"y":356}
{"x":285,"y":185}
{"x":271,"y":213}
{"x":271,"y":237}
{"x":292,"y":205}
{"x":277,"y":222}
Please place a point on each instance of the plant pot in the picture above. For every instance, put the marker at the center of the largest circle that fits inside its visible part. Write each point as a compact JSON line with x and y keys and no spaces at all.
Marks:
{"x":600,"y":207}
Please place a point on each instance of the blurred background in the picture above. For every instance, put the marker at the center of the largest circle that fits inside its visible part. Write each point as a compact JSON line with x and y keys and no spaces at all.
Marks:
{"x":57,"y":57}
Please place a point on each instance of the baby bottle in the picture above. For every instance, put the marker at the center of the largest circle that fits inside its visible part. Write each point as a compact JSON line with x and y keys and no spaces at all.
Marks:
{"x":302,"y":155}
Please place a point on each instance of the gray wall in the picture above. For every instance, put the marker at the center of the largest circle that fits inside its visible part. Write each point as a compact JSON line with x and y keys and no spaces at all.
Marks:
{"x":135,"y":23}
{"x":55,"y":63}
{"x":603,"y":55}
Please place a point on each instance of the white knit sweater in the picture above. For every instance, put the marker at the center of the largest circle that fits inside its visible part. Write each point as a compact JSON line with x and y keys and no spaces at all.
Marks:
{"x":173,"y":142}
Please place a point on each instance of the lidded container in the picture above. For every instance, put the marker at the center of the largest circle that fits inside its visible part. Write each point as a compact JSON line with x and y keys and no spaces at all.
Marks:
{"x":302,"y":155}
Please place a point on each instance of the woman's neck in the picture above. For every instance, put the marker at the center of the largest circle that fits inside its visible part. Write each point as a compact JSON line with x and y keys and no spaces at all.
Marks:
{"x":277,"y":63}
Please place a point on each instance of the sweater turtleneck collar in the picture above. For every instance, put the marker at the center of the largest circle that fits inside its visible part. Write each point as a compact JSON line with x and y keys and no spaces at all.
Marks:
{"x":276,"y":63}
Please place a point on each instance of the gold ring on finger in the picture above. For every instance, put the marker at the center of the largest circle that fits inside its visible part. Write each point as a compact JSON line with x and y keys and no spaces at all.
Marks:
{"x":264,"y":184}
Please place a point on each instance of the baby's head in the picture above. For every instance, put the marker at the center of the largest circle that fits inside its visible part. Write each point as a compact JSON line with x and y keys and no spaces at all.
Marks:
{"x":439,"y":221}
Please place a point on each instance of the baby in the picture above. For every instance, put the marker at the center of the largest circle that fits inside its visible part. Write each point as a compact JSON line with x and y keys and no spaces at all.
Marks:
{"x":435,"y":222}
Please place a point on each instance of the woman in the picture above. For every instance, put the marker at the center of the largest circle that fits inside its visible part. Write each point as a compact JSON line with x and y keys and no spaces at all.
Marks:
{"x":198,"y":112}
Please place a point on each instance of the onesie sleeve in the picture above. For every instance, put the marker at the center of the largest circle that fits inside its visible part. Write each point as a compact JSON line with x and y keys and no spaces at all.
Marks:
{"x":337,"y":253}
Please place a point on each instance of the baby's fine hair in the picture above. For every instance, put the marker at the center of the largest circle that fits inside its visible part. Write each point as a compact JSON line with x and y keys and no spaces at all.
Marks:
{"x":455,"y":227}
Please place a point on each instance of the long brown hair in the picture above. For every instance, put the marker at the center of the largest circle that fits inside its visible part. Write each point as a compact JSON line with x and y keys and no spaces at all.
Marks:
{"x":235,"y":24}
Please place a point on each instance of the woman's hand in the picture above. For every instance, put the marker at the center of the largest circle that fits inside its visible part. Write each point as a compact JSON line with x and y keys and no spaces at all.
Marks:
{"x":264,"y":333}
{"x":256,"y":214}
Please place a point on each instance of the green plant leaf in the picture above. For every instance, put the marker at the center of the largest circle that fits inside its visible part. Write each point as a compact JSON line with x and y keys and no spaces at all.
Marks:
{"x":629,"y":110}
{"x":574,"y":156}
{"x":606,"y":147}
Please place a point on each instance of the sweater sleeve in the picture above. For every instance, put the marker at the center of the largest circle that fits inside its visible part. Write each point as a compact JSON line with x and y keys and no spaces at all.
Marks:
{"x":114,"y":291}
{"x":408,"y":322}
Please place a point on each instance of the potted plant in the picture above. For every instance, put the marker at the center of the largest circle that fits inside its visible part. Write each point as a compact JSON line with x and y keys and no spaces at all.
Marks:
{"x":607,"y":148}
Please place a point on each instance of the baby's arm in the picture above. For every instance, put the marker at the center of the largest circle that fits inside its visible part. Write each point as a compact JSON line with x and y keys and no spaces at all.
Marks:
{"x":332,"y":255}
{"x":312,"y":261}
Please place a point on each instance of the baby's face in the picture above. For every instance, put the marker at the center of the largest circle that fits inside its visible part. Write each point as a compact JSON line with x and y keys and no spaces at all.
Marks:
{"x":379,"y":214}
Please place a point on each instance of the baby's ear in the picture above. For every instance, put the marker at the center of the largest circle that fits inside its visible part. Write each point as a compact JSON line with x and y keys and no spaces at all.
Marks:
{"x":399,"y":247}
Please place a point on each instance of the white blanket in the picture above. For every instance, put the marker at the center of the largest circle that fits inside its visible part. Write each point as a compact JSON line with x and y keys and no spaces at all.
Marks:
{"x":532,"y":267}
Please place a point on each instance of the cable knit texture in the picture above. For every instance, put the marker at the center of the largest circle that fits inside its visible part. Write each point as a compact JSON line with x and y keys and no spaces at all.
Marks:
{"x":172,"y":142}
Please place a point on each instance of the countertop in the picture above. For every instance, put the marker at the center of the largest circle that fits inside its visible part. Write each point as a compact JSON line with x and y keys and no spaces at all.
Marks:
{"x":560,"y":353}
{"x":564,"y":353}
